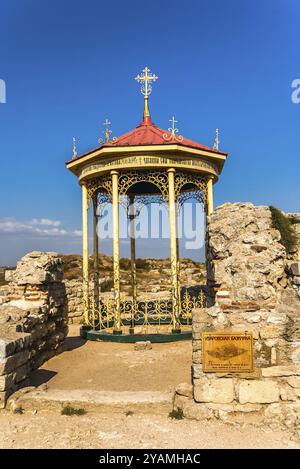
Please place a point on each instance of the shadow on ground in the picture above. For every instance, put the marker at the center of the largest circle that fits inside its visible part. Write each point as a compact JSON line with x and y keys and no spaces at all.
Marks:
{"x":41,"y":376}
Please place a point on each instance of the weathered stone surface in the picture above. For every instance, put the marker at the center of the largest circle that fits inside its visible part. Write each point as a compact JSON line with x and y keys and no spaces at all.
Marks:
{"x":260,"y":392}
{"x":32,"y":320}
{"x":185,"y":389}
{"x":219,"y":390}
{"x":282,"y":370}
{"x":256,"y":291}
{"x":253,"y":268}
{"x":294,"y":381}
{"x":143,"y":345}
{"x":295,"y":268}
{"x":10,"y":342}
{"x":7,"y":365}
{"x":192,"y":410}
{"x":3,"y":398}
{"x":37,"y":268}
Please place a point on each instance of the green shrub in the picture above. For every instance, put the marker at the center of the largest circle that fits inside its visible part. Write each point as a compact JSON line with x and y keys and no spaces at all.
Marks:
{"x":176,"y":414}
{"x":19,"y":410}
{"x":69,"y":410}
{"x":286,"y":229}
{"x":142,"y":264}
{"x":124,"y":263}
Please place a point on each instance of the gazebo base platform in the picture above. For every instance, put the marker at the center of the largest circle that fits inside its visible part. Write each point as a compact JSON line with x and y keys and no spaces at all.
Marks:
{"x":88,"y":333}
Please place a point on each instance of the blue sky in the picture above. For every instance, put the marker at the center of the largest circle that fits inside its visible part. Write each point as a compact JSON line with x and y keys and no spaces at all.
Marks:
{"x":68,"y":65}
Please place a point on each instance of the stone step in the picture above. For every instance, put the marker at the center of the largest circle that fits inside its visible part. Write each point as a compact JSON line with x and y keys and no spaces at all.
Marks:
{"x":138,"y":402}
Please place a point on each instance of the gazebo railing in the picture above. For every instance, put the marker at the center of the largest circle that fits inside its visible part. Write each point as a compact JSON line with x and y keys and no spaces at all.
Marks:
{"x":143,"y":313}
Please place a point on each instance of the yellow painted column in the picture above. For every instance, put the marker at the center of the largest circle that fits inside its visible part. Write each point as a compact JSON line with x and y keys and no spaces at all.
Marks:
{"x":210,"y":197}
{"x":132,"y":258}
{"x":173,"y":250}
{"x":85,"y":252}
{"x":96,"y":254}
{"x":116,"y":251}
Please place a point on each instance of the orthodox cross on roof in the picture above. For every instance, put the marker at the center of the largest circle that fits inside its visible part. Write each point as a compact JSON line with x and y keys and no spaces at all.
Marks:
{"x":173,"y":132}
{"x":173,"y":129}
{"x":106,"y":132}
{"x":74,"y":149}
{"x":217,"y":141}
{"x":146,"y":78}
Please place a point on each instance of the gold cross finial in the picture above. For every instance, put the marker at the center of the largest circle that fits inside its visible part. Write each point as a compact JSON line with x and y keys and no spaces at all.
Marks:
{"x":74,"y":149}
{"x":217,"y":141}
{"x":146,"y":79}
{"x":106,"y":132}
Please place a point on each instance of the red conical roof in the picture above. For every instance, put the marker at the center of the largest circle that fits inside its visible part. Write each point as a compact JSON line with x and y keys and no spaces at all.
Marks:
{"x":149,"y":134}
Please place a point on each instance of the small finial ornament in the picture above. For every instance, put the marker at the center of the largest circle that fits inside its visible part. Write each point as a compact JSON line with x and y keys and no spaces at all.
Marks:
{"x":146,"y":78}
{"x":173,"y":132}
{"x":217,"y":141}
{"x":106,"y":132}
{"x":74,"y":155}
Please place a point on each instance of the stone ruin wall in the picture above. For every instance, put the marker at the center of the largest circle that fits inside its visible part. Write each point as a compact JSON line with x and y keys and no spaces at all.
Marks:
{"x":257,"y":289}
{"x":33,"y":319}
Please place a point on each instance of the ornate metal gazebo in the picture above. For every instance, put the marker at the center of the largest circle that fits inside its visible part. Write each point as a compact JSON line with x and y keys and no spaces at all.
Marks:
{"x":144,"y":165}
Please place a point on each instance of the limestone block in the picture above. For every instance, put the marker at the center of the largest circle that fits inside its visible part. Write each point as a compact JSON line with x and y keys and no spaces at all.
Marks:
{"x":197,"y":357}
{"x":197,"y":370}
{"x":143,"y":345}
{"x":237,"y":413}
{"x":294,"y":381}
{"x":11,"y":343}
{"x":3,"y":398}
{"x":277,"y":318}
{"x":197,"y":345}
{"x":6,"y":381}
{"x":9,"y":364}
{"x":288,"y":394}
{"x":295,"y":268}
{"x":258,"y":392}
{"x":185,"y":389}
{"x":269,"y":331}
{"x":195,"y":411}
{"x":214,"y":390}
{"x":281,"y":370}
{"x":253,"y":317}
{"x":37,"y":268}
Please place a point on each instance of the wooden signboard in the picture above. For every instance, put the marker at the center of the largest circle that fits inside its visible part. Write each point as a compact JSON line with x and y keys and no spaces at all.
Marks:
{"x":227,"y":352}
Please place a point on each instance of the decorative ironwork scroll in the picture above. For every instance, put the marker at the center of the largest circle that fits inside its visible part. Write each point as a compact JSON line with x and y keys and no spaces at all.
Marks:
{"x":158,"y":178}
{"x":101,"y":182}
{"x":188,"y":195}
{"x":183,"y":178}
{"x":144,"y":314}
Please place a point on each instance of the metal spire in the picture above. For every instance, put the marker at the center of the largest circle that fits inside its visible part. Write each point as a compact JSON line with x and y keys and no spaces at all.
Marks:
{"x":146,"y":79}
{"x":74,"y":149}
{"x":106,"y":132}
{"x":217,"y":141}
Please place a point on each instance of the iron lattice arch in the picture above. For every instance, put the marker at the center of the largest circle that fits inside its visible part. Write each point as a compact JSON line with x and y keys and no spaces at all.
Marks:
{"x":157,"y":178}
{"x":183,"y":178}
{"x":98,"y":185}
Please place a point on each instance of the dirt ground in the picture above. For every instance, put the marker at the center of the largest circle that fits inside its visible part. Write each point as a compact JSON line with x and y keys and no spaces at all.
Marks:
{"x":51,"y":430}
{"x":99,"y":366}
{"x":116,"y":367}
